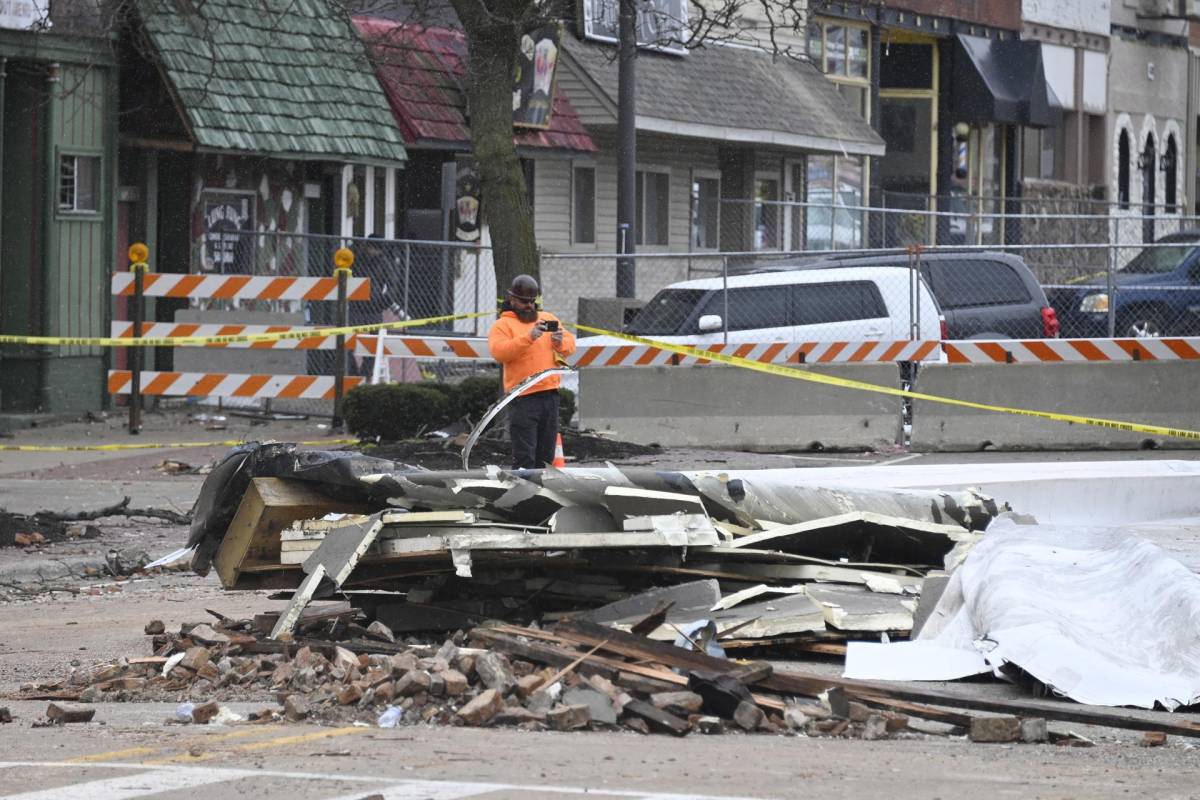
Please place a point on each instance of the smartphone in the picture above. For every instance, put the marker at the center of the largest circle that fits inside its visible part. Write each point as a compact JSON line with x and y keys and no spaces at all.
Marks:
{"x":550,"y":325}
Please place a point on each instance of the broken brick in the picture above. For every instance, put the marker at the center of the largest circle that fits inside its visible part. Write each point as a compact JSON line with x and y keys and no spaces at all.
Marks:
{"x":456,"y":682}
{"x":569,"y":717}
{"x":195,"y":658}
{"x":295,"y":707}
{"x":203,"y":714}
{"x":528,"y":684}
{"x":995,"y":730}
{"x":413,"y":682}
{"x":481,"y":710}
{"x":748,"y":716}
{"x":1149,"y":738}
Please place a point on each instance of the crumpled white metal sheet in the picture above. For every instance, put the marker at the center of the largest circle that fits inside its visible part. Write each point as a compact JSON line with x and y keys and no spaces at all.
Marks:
{"x":1097,"y":614}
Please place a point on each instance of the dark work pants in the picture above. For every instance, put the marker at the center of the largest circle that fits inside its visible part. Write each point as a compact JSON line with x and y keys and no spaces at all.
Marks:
{"x":533,"y":428}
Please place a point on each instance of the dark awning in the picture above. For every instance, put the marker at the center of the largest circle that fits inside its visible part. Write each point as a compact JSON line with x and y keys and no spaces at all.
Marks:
{"x":1001,"y":81}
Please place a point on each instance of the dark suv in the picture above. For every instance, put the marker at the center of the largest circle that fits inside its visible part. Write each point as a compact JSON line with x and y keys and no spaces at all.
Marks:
{"x":1157,"y":294}
{"x":982,"y":295}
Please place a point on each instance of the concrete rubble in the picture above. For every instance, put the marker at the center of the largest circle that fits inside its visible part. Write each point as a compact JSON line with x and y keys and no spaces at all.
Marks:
{"x":568,"y":600}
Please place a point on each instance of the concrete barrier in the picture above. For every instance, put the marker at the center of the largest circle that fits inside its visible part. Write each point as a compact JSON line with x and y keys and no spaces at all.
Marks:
{"x":1146,"y":392}
{"x":728,"y":407}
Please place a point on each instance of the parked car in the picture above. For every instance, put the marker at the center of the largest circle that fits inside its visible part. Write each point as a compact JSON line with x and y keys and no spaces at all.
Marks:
{"x":984,"y":295}
{"x":1157,"y":294}
{"x":841,"y":304}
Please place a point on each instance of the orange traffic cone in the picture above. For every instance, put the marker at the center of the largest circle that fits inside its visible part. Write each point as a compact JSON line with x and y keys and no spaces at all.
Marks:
{"x":560,"y":459}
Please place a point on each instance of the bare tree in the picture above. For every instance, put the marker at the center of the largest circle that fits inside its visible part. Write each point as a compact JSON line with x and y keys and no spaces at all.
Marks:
{"x":493,"y":31}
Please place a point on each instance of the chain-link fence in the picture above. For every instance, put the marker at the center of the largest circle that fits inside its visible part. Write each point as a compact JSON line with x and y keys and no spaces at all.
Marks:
{"x":1080,"y":272}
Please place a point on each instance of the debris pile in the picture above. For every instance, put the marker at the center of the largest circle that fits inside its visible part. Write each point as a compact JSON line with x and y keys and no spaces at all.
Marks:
{"x":738,"y":562}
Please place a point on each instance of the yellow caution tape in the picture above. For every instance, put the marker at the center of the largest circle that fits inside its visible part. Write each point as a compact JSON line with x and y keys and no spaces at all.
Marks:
{"x":175,"y":341}
{"x":79,"y":448}
{"x":829,"y":380}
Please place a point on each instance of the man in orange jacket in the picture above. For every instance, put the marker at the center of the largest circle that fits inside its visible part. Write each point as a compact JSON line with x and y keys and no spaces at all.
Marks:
{"x":526,"y":341}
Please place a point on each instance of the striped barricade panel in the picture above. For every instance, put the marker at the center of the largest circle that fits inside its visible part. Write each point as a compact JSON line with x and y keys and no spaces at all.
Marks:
{"x":225,"y":384}
{"x":1071,"y":351}
{"x":448,"y":347}
{"x":635,"y":355}
{"x":239,"y":287}
{"x":157,"y":330}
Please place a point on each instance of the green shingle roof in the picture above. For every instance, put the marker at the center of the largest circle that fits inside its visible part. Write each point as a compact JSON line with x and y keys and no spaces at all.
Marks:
{"x":287,"y":78}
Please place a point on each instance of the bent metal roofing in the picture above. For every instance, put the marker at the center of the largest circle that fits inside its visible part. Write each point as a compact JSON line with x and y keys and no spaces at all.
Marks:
{"x":421,"y":70}
{"x":287,"y":78}
{"x":728,"y":93}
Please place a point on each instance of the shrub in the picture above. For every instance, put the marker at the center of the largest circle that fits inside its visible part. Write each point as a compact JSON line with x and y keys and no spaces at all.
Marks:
{"x":475,"y":396}
{"x":566,"y":407}
{"x":394,"y":411}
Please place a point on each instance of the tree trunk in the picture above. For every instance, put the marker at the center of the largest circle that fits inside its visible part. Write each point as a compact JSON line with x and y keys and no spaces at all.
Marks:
{"x":492,"y":42}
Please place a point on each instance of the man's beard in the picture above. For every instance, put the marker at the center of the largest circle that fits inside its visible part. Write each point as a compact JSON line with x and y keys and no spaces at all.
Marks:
{"x":526,"y":314}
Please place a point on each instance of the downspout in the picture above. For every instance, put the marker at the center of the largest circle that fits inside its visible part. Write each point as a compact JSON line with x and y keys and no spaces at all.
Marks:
{"x":49,"y":228}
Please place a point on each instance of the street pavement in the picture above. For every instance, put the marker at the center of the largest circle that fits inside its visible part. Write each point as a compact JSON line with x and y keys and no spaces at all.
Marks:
{"x":133,"y":750}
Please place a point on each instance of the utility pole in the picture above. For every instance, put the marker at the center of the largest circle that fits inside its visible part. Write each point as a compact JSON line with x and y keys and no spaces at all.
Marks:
{"x":626,"y":147}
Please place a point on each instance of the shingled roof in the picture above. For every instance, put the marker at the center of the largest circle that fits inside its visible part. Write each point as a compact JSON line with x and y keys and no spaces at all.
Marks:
{"x":421,"y":70}
{"x":731,"y":94}
{"x":287,"y":78}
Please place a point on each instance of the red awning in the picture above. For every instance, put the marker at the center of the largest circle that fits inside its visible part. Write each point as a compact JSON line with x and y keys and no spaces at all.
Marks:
{"x":421,"y":70}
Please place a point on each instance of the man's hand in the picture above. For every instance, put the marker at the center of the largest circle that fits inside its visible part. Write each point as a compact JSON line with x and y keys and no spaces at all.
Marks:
{"x":535,"y":332}
{"x":557,"y":338}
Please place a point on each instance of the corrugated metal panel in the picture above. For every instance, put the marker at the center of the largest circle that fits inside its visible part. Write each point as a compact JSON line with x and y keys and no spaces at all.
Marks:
{"x":285,"y":77}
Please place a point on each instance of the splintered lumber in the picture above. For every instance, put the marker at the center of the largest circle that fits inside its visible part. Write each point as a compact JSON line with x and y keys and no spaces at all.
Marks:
{"x":799,"y":683}
{"x":658,"y":718}
{"x":268,"y":507}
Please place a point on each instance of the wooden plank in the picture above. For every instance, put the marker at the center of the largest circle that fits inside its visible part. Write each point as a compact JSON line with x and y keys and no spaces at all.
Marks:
{"x":268,"y":506}
{"x":663,"y":720}
{"x":799,"y":683}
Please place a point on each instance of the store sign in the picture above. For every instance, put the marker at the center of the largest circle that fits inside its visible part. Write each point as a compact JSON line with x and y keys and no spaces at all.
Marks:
{"x":661,"y":24}
{"x":466,"y":201}
{"x":23,"y":14}
{"x":533,"y":89}
{"x":228,"y":230}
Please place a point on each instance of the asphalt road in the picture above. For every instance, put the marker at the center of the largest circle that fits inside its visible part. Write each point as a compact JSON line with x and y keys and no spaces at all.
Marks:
{"x":133,"y":751}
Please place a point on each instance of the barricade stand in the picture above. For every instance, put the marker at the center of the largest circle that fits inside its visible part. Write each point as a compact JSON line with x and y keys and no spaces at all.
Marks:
{"x":138,"y":253}
{"x":343,"y":260}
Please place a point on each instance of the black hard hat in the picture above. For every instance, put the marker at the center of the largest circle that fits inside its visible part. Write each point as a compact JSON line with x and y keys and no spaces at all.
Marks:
{"x":524,"y":287}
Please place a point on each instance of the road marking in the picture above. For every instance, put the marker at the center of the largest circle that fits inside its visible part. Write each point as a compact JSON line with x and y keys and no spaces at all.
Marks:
{"x":185,"y":744}
{"x":139,"y":785}
{"x":168,"y":778}
{"x":280,"y":741}
{"x":898,"y":460}
{"x":110,"y":755}
{"x":426,"y":790}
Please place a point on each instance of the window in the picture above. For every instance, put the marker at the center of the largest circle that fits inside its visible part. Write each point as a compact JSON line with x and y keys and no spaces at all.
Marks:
{"x":663,"y":315}
{"x":79,"y":183}
{"x":817,"y":303}
{"x":835,"y":190}
{"x":752,"y":307}
{"x":583,"y":205}
{"x":1123,"y":169}
{"x":977,"y":283}
{"x":706,"y":212}
{"x":842,"y":51}
{"x":1045,"y":152}
{"x":653,"y":207}
{"x":767,"y":214}
{"x":1168,"y":167}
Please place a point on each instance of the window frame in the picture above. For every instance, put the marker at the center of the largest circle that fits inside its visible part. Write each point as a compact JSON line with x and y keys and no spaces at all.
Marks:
{"x":640,"y":173}
{"x":844,"y":77}
{"x":698,"y":174}
{"x":582,"y":163}
{"x":777,"y":177}
{"x":73,"y":211}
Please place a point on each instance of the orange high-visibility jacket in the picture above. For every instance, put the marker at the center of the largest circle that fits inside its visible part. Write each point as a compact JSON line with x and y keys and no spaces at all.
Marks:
{"x":509,"y":343}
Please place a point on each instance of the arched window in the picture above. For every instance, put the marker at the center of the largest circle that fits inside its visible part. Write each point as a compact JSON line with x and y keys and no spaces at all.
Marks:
{"x":1168,"y":167}
{"x":1123,"y":169}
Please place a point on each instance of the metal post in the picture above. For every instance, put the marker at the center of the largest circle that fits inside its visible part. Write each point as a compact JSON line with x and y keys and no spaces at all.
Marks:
{"x":626,"y":146}
{"x":476,"y":308}
{"x":408,"y":312}
{"x":725,"y":297}
{"x":343,"y":259}
{"x":138,"y":253}
{"x":1112,"y":286}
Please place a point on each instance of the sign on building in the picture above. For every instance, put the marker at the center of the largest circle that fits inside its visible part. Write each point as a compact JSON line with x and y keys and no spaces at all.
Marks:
{"x":228,"y":238}
{"x":661,"y":24}
{"x":23,"y":14}
{"x":533,"y":87}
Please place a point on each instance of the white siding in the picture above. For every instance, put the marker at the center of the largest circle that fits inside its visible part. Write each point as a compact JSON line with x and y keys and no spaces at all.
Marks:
{"x":591,"y":109}
{"x":552,"y":202}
